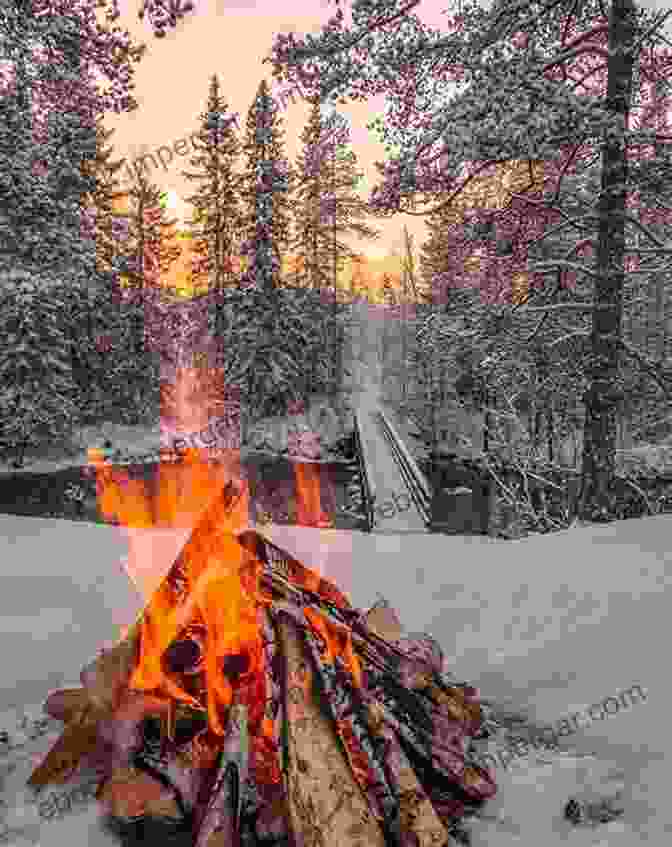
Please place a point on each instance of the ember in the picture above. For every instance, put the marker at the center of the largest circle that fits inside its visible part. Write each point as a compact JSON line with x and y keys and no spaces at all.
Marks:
{"x":183,"y":656}
{"x":250,"y":685}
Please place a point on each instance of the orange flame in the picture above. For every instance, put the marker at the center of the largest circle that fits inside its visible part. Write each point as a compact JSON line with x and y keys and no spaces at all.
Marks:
{"x":222,"y":584}
{"x":221,"y":588}
{"x":338,"y":640}
{"x":222,"y":592}
{"x":309,"y":510}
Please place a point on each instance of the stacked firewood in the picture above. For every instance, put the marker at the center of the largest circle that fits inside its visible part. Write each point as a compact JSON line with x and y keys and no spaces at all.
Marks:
{"x":82,"y":710}
{"x":99,"y":714}
{"x":105,"y":697}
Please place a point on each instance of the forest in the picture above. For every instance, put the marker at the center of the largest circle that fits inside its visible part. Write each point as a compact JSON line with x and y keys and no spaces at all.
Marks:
{"x":539,"y":305}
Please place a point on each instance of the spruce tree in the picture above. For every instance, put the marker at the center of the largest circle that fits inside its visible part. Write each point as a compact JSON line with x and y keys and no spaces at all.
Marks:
{"x":110,"y":229}
{"x":151,"y":236}
{"x":217,"y":220}
{"x":266,"y":184}
{"x":326,"y":207}
{"x":309,"y":249}
{"x":110,"y":233}
{"x":47,"y":258}
{"x":152,"y":250}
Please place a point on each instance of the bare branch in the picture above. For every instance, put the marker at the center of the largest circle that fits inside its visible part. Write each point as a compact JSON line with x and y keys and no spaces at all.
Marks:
{"x":645,"y":230}
{"x":577,"y":333}
{"x":652,"y":29}
{"x":652,"y":368}
{"x":559,"y":263}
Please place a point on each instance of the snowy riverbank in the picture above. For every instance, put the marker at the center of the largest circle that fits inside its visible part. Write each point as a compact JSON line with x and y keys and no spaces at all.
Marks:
{"x":313,"y":436}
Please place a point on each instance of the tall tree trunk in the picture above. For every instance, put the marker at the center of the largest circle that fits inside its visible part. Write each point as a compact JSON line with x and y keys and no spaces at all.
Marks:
{"x":657,"y":325}
{"x":602,"y":396}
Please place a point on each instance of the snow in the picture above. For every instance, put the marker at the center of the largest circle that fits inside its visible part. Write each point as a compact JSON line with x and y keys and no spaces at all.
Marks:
{"x":552,"y":623}
{"x":60,"y":815}
{"x":270,"y":435}
{"x":386,"y":478}
{"x":548,"y":624}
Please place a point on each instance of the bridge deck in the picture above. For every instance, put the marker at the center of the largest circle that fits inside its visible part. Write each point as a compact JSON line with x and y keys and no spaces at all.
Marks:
{"x":395,"y":510}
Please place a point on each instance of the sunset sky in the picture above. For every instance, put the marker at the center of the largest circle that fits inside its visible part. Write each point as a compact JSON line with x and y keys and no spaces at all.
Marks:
{"x":231,"y":38}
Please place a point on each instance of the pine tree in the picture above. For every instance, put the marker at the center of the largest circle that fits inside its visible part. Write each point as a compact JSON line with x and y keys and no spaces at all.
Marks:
{"x":110,"y":230}
{"x":151,"y":236}
{"x":447,"y":259}
{"x":325,"y":208}
{"x":265,"y":187}
{"x":326,"y":170}
{"x":258,"y":359}
{"x":309,"y":248}
{"x":152,"y":250}
{"x":47,"y":259}
{"x":217,"y":220}
{"x":100,"y":203}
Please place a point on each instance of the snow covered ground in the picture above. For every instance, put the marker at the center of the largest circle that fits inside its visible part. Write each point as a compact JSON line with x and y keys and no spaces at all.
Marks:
{"x":553,"y":624}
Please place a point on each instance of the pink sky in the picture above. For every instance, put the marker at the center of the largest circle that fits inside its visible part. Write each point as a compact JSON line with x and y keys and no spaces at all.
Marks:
{"x":231,"y":38}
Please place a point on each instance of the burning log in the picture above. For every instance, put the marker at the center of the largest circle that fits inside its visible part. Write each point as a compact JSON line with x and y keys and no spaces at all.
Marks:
{"x":83,"y":709}
{"x":188,"y":687}
{"x":107,"y":678}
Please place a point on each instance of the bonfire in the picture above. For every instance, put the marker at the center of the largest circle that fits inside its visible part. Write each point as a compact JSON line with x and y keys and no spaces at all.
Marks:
{"x":253,"y":704}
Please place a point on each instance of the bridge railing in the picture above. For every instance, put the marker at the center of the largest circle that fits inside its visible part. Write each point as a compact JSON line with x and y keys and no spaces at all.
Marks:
{"x":368,"y":487}
{"x":415,"y":480}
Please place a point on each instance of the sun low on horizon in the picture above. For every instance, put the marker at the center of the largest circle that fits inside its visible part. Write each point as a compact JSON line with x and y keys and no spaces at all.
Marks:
{"x":175,"y":205}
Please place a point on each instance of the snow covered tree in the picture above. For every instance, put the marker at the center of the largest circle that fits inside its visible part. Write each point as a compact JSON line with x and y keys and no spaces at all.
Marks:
{"x":326,"y":183}
{"x":310,"y":249}
{"x":523,"y":66}
{"x":217,"y":220}
{"x":50,"y":102}
{"x":103,"y":319}
{"x":266,"y":183}
{"x":262,"y":357}
{"x":326,"y":207}
{"x":100,"y":202}
{"x":151,"y":249}
{"x":151,"y":237}
{"x":47,"y":257}
{"x":278,"y":354}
